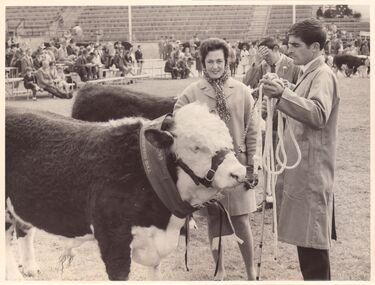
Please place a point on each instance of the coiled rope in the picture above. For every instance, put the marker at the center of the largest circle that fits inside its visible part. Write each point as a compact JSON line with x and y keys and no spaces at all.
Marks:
{"x":271,"y":167}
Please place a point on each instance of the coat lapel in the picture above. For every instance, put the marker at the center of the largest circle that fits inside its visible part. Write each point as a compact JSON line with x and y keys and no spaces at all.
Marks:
{"x":311,"y":68}
{"x":209,"y":91}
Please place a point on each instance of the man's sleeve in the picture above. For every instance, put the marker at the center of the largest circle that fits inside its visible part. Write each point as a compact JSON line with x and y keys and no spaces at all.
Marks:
{"x":253,"y":76}
{"x":316,"y":108}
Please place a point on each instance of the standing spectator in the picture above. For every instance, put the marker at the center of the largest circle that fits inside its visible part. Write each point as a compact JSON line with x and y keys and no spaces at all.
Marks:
{"x":365,"y":48}
{"x":29,"y":81}
{"x":198,"y":62}
{"x":26,"y":62}
{"x":244,"y":58}
{"x":169,"y":47}
{"x":232,"y":60}
{"x":161,"y":45}
{"x":139,"y":58}
{"x":306,"y":215}
{"x":252,"y":53}
{"x":271,"y":60}
{"x":236,"y":111}
{"x":46,"y":82}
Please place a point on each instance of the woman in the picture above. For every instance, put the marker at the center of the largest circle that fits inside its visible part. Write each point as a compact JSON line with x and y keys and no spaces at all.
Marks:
{"x":232,"y":101}
{"x":46,"y":82}
{"x":244,"y":59}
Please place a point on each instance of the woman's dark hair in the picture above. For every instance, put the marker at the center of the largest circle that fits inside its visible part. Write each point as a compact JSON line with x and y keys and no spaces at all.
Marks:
{"x":309,"y":31}
{"x":212,"y":44}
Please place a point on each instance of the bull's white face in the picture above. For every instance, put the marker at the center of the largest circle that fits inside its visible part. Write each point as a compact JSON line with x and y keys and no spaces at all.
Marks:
{"x":199,"y":135}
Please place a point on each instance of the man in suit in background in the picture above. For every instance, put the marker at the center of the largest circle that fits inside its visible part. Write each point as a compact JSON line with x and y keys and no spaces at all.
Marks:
{"x":270,"y":59}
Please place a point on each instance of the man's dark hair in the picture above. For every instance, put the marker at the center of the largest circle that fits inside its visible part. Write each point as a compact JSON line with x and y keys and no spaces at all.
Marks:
{"x":309,"y":31}
{"x":269,"y":42}
{"x":212,"y":44}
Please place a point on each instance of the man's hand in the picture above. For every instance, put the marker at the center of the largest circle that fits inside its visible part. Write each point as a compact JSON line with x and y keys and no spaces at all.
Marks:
{"x":252,"y":178}
{"x":272,"y":88}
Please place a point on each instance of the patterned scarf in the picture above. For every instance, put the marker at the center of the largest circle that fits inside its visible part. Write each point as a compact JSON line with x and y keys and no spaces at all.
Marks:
{"x":218,"y":85}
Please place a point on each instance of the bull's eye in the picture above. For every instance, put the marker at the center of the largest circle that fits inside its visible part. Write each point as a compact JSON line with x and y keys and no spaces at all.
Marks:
{"x":195,"y":148}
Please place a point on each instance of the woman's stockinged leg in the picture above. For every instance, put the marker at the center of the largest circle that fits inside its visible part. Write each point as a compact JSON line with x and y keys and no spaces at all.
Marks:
{"x":221,"y":270}
{"x":242,"y":227}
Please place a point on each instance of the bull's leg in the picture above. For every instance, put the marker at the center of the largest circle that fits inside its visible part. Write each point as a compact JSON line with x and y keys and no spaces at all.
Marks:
{"x":154,"y":273}
{"x":114,"y":244}
{"x":25,"y":237}
{"x":12,"y":272}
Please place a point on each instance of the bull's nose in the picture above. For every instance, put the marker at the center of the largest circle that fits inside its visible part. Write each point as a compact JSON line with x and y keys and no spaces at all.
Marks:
{"x":235,"y":176}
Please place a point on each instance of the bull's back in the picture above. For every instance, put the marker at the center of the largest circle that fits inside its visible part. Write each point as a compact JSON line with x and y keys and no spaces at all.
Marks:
{"x":103,"y":103}
{"x":40,"y":183}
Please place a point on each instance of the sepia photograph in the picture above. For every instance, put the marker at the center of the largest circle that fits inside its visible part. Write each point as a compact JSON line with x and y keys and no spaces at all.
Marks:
{"x":187,"y":141}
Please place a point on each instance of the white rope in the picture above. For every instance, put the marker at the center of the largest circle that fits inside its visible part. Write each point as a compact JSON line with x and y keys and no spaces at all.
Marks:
{"x":275,"y":162}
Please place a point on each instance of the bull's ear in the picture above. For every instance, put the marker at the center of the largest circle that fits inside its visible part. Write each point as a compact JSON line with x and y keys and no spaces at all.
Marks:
{"x":159,"y":138}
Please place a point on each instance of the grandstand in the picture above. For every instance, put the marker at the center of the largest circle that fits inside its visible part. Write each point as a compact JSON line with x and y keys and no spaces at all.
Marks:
{"x":233,"y":22}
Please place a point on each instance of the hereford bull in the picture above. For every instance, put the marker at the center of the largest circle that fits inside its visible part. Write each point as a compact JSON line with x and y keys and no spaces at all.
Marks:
{"x":352,"y":63}
{"x":102,"y":103}
{"x":81,"y":179}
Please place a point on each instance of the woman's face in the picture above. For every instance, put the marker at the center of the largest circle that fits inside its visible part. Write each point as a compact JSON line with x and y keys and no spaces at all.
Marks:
{"x":215,"y":63}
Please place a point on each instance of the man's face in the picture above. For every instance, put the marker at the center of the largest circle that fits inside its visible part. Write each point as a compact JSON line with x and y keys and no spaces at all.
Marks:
{"x":299,"y":51}
{"x":268,"y":55}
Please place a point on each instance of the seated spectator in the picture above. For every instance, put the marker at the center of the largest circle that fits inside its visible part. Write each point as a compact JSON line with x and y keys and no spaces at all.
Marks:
{"x":52,"y":70}
{"x":95,"y":59}
{"x":121,"y":62}
{"x":29,"y":81}
{"x":71,"y":49}
{"x":171,"y":67}
{"x":46,"y":82}
{"x":182,"y":68}
{"x":83,"y":67}
{"x":60,"y":79}
{"x":129,"y":61}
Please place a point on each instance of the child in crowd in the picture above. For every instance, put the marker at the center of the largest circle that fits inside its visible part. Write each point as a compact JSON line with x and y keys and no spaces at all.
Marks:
{"x":60,"y":79}
{"x":29,"y":81}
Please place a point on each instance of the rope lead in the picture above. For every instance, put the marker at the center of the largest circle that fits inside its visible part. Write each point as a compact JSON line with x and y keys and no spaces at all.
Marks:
{"x":273,"y":162}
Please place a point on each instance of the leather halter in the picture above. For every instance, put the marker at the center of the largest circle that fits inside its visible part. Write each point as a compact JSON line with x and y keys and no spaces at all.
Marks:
{"x":217,"y":159}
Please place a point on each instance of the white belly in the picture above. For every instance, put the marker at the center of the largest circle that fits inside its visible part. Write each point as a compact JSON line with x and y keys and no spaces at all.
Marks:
{"x":150,"y":245}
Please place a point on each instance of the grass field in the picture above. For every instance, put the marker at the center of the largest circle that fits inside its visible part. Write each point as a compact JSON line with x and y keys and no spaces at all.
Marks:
{"x":350,"y":255}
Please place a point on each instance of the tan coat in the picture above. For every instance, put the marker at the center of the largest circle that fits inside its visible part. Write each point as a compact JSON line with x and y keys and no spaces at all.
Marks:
{"x":305,"y":212}
{"x":240,"y":103}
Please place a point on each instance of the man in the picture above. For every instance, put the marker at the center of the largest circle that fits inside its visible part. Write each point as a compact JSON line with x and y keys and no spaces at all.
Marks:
{"x":71,"y":49}
{"x":270,"y":59}
{"x":82,"y":66}
{"x":306,"y":217}
{"x":139,"y":58}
